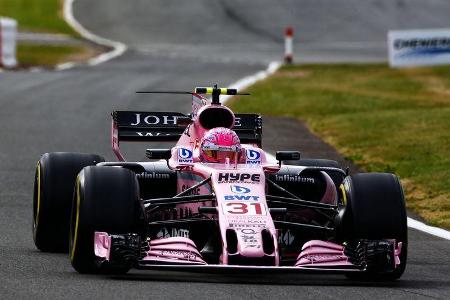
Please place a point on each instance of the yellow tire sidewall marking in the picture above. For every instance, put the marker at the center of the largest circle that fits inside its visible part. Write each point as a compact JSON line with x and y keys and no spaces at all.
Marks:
{"x":344,"y":194}
{"x":36,"y":219}
{"x":75,"y":235}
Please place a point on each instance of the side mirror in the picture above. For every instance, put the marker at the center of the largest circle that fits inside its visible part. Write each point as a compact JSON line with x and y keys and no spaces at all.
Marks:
{"x":287,"y":155}
{"x":158,"y":153}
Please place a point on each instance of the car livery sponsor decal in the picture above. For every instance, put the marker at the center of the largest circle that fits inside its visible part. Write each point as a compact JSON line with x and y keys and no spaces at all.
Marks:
{"x":232,"y":225}
{"x":317,"y":258}
{"x":240,"y":193}
{"x":187,"y":180}
{"x":285,"y":237}
{"x":195,"y":191}
{"x":172,"y":232}
{"x":185,"y":254}
{"x":249,"y":237}
{"x":151,"y":133}
{"x":237,"y":189}
{"x":146,"y":119}
{"x":253,"y":157}
{"x":294,"y":178}
{"x":152,"y":175}
{"x":184,"y":156}
{"x":241,"y":197}
{"x":230,"y":177}
{"x":240,"y":220}
{"x":242,"y":208}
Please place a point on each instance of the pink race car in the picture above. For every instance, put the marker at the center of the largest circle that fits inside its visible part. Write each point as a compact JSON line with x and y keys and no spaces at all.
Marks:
{"x":216,"y":201}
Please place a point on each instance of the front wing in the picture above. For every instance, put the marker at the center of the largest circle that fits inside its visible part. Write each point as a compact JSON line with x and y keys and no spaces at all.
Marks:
{"x":181,"y":254}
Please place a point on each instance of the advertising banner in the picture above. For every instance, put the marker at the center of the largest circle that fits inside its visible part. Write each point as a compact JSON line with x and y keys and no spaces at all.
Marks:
{"x":419,"y":47}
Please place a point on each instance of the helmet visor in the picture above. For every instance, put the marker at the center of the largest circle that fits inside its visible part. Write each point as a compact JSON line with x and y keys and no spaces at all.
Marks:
{"x":220,"y":156}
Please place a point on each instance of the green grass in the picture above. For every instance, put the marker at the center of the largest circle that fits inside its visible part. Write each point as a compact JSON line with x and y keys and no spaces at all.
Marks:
{"x":384,"y":120}
{"x":44,"y":55}
{"x":36,"y":15}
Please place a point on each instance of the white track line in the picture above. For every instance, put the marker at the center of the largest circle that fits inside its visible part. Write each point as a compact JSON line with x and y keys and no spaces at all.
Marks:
{"x":436,"y":231}
{"x":252,"y":79}
{"x":117,"y":47}
{"x":273,"y":67}
{"x":65,"y":66}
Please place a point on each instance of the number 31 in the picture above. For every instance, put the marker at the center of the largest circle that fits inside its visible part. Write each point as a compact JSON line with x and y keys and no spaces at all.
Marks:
{"x":239,"y":208}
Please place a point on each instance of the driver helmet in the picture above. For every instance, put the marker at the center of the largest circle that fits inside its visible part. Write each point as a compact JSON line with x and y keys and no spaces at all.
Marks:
{"x":220,"y":144}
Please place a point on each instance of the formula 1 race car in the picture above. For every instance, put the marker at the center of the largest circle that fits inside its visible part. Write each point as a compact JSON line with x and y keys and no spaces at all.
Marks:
{"x":216,"y":201}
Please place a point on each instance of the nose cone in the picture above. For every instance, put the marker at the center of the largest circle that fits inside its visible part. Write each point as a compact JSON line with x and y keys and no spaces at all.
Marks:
{"x":255,"y":246}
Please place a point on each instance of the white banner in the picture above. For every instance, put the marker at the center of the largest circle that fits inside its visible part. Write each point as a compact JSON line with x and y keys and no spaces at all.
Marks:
{"x":419,"y":47}
{"x":8,"y":36}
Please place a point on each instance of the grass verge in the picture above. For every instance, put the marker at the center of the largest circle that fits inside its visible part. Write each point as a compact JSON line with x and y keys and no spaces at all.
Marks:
{"x":48,"y":55}
{"x":384,"y":120}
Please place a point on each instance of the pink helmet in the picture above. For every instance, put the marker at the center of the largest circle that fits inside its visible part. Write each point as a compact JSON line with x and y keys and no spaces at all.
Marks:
{"x":218,"y":144}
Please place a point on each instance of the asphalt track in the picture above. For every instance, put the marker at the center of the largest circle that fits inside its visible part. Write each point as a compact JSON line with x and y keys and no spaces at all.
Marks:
{"x":177,"y":45}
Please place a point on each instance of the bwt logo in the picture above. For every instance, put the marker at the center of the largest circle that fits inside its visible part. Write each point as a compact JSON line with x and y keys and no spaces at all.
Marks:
{"x":184,"y":153}
{"x":185,"y":156}
{"x":253,"y":157}
{"x":241,"y":197}
{"x":239,"y":189}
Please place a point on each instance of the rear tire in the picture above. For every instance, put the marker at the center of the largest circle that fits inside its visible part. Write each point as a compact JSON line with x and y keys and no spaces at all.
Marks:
{"x":375,"y":210}
{"x":53,"y":191}
{"x":105,"y":199}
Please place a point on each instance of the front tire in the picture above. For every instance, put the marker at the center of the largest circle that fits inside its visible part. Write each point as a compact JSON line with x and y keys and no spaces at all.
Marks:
{"x":105,"y":199}
{"x":375,"y":210}
{"x":53,"y":191}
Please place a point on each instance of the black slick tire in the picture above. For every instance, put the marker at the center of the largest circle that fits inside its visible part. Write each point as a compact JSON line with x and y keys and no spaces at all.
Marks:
{"x":53,"y":191}
{"x":106,"y":200}
{"x":375,"y":210}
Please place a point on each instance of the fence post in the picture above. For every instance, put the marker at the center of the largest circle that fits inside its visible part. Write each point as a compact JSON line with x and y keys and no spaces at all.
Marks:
{"x":288,"y":45}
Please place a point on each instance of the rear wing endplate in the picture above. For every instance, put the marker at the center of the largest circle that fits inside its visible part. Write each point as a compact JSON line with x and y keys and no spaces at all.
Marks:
{"x":136,"y":126}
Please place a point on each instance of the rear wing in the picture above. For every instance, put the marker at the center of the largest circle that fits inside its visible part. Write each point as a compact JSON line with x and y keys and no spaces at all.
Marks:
{"x":135,"y":126}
